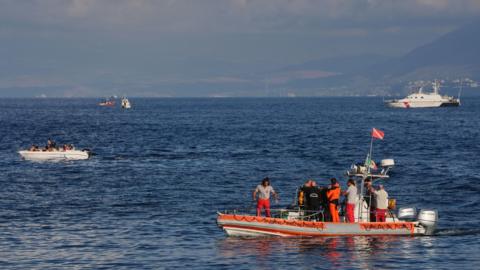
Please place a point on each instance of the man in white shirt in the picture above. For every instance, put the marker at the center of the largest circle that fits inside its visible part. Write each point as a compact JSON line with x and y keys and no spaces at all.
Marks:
{"x":264,"y":190}
{"x":381,"y":201}
{"x":351,"y":194}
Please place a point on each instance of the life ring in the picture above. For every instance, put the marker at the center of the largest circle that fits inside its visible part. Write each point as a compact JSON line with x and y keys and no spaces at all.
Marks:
{"x":271,"y":220}
{"x":279,"y":221}
{"x":307,"y":224}
{"x":366,"y":227}
{"x":299,"y":223}
{"x":290,"y":222}
{"x":260,"y":219}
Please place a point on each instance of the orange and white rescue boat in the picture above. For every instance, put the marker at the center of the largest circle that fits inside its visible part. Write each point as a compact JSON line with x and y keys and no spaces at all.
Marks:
{"x":296,"y":221}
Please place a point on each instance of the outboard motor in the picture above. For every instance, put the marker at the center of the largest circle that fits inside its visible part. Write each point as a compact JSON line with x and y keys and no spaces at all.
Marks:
{"x":428,"y":219}
{"x":89,"y":152}
{"x":407,"y":214}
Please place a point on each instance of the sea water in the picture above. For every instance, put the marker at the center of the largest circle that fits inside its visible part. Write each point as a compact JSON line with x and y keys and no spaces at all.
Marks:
{"x":148,"y":198}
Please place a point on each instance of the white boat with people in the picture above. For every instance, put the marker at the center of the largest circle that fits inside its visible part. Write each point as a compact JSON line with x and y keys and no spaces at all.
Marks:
{"x":420,"y":99}
{"x":53,"y":153}
{"x":126,"y":103}
{"x":368,"y":210}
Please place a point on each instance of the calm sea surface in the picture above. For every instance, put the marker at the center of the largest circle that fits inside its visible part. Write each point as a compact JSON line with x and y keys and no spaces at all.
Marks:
{"x":148,"y":199}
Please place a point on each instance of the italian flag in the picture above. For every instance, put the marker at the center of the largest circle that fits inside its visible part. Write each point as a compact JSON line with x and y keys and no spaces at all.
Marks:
{"x":370,"y":163}
{"x":373,"y":165}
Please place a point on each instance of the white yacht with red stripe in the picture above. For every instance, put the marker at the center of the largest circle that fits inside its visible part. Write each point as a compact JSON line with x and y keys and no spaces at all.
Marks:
{"x":425,"y":100}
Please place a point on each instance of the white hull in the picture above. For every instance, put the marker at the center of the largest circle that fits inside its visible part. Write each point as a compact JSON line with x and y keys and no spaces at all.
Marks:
{"x":241,"y":225}
{"x":425,"y":100}
{"x":410,"y":104}
{"x":54,"y":155}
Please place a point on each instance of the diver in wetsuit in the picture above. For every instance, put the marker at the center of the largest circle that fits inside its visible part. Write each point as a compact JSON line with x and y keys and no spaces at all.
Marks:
{"x":369,"y":199}
{"x":301,"y":195}
{"x":313,"y":200}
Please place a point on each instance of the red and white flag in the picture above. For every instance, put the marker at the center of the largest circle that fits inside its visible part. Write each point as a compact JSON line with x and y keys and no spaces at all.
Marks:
{"x":378,"y":134}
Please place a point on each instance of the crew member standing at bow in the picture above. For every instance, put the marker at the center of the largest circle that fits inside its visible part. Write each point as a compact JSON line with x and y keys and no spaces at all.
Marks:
{"x":263,"y":192}
{"x":333,"y":195}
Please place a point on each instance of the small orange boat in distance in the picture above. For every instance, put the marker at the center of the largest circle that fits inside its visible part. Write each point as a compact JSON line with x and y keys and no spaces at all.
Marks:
{"x":107,"y":103}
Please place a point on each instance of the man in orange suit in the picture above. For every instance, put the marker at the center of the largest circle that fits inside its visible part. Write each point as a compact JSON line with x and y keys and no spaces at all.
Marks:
{"x":333,"y":195}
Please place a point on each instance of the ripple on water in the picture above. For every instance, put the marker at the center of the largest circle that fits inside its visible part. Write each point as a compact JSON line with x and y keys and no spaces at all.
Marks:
{"x":148,"y":198}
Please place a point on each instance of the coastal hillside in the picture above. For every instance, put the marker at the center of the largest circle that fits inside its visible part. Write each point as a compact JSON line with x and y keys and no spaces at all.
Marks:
{"x":449,"y":57}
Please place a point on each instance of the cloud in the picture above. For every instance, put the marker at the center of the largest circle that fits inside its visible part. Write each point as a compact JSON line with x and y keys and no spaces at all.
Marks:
{"x":180,"y":16}
{"x":79,"y":8}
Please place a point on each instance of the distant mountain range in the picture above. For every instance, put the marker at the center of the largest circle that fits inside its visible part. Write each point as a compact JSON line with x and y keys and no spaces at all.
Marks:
{"x":452,"y":56}
{"x":456,"y":52}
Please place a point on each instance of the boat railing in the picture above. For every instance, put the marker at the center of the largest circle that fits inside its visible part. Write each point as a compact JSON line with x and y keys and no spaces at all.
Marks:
{"x":283,"y":213}
{"x":299,"y":213}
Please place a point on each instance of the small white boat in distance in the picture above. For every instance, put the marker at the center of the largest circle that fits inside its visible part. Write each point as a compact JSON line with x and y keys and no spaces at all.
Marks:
{"x":126,"y":103}
{"x":55,"y":155}
{"x":424,"y":100}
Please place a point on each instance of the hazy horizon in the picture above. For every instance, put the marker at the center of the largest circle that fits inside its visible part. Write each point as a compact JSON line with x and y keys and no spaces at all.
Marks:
{"x":202,"y":48}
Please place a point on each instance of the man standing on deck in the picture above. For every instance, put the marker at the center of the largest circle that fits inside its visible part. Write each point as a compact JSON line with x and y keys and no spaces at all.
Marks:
{"x":351,"y":195}
{"x":369,"y":199}
{"x":263,"y":192}
{"x":333,"y":195}
{"x":302,"y":194}
{"x":381,"y":201}
{"x":313,"y":197}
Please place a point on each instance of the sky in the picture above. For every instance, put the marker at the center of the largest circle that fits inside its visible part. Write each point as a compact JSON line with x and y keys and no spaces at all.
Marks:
{"x":143,"y":47}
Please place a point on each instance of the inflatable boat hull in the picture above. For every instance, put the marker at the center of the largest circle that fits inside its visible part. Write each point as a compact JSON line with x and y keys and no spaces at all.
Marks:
{"x":244,"y":225}
{"x":55,"y":155}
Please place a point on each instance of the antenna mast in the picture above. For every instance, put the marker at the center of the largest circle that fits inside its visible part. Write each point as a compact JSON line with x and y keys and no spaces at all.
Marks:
{"x":460,"y":91}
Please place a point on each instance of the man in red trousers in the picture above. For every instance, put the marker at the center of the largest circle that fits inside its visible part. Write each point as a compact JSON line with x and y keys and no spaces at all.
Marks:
{"x":264,"y":190}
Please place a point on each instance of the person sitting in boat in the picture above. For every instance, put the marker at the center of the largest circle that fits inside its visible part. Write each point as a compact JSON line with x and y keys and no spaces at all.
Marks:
{"x":51,"y":145}
{"x":264,"y":190}
{"x":33,"y":148}
{"x":333,"y":195}
{"x":67,"y":147}
{"x":381,"y":202}
{"x":351,"y":200}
